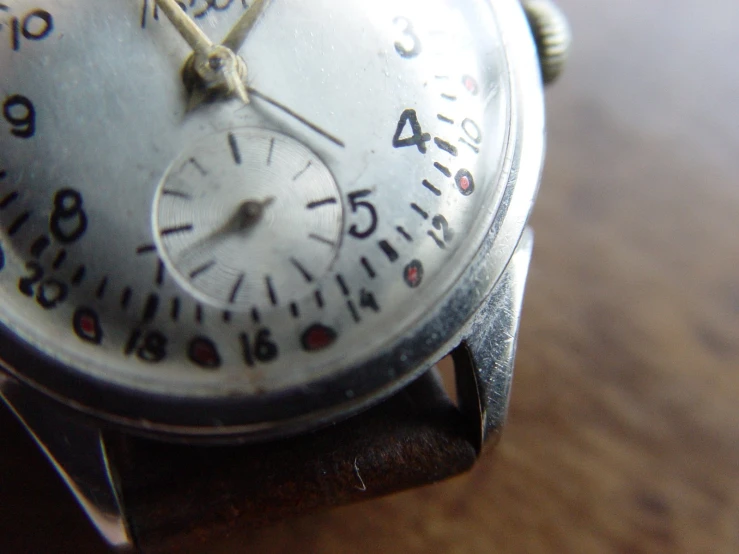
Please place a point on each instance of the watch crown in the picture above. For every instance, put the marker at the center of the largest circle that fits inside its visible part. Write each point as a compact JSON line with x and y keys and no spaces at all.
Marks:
{"x":552,"y":35}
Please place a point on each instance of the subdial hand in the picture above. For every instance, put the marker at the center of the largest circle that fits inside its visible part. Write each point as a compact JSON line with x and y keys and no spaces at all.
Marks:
{"x":247,"y":216}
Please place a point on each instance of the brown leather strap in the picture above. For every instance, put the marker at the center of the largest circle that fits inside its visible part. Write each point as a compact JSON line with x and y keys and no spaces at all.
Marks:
{"x":177,"y":494}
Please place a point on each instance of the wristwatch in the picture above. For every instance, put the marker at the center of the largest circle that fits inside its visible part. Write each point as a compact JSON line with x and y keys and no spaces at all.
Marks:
{"x":236,"y":237}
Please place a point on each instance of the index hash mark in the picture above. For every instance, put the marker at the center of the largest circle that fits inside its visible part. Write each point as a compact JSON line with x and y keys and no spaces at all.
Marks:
{"x":271,"y":151}
{"x":176,"y":193}
{"x":79,"y":276}
{"x":175,"y":230}
{"x":202,"y":269}
{"x":319,"y":203}
{"x":443,"y":169}
{"x":389,"y":251}
{"x":432,"y":188}
{"x":236,"y":288}
{"x":146,"y":248}
{"x":307,"y":276}
{"x":39,"y":245}
{"x":20,"y":221}
{"x":235,"y":152}
{"x":300,"y":173}
{"x":8,"y":200}
{"x":445,"y":146}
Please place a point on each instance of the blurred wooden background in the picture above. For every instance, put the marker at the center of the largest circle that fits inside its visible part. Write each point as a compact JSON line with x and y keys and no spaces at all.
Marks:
{"x":624,"y":425}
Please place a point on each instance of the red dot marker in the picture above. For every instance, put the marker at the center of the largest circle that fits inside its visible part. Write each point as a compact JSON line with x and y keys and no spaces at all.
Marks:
{"x":413,"y":274}
{"x":203,"y":352}
{"x":318,"y":337}
{"x":470,"y":84}
{"x":87,"y":324}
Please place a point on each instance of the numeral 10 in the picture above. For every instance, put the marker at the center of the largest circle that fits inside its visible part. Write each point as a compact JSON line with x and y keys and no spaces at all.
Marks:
{"x":35,"y":25}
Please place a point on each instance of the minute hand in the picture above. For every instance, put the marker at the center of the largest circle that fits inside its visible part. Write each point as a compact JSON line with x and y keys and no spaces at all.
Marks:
{"x":236,"y":37}
{"x":256,"y":94}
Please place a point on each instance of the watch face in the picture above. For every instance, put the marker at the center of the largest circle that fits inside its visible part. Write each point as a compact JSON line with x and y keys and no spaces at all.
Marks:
{"x":254,"y":219}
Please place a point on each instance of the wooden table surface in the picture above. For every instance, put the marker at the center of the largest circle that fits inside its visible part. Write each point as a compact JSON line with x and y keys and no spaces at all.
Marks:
{"x":624,"y":425}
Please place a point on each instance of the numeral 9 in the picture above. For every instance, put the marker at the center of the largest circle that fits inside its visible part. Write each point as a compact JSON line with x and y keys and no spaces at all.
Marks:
{"x":21,"y":114}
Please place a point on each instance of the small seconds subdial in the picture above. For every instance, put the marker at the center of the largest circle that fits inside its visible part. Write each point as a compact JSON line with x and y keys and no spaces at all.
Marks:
{"x":248,"y":217}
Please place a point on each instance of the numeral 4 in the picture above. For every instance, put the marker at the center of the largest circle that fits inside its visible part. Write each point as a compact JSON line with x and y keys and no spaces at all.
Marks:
{"x":417,"y":137}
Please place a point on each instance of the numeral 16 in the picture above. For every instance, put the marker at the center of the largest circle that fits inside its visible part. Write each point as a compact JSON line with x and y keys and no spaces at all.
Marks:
{"x":35,"y":25}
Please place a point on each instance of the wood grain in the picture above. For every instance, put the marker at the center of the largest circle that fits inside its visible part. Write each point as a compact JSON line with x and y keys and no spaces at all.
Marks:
{"x":624,"y":425}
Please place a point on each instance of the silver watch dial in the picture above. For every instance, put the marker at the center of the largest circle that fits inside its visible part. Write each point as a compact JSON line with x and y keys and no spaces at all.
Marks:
{"x":207,"y":247}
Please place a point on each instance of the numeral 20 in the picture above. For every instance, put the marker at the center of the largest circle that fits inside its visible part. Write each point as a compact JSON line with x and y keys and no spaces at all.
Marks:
{"x":50,"y":292}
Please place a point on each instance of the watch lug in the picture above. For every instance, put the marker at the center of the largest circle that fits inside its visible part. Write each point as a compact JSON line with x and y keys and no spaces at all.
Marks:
{"x":77,"y":452}
{"x":484,"y":359}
